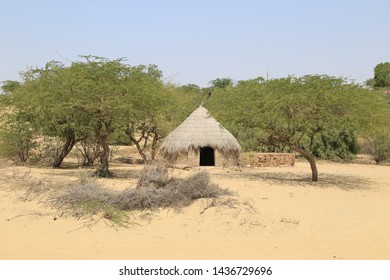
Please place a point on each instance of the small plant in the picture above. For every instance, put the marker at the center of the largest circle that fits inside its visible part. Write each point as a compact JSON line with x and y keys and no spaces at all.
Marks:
{"x":101,"y":173}
{"x":116,"y":216}
{"x":89,"y":207}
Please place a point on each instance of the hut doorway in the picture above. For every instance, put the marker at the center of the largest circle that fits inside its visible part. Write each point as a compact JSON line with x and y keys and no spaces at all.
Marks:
{"x":206,"y":156}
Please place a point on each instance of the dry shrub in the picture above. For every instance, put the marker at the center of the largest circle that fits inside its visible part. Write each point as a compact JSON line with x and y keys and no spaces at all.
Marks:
{"x":176,"y":193}
{"x":154,"y":175}
{"x":378,"y":148}
{"x":80,"y":198}
{"x":155,"y":189}
{"x":26,"y":186}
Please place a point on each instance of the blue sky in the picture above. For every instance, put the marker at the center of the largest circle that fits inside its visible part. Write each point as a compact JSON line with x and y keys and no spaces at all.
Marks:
{"x":198,"y":41}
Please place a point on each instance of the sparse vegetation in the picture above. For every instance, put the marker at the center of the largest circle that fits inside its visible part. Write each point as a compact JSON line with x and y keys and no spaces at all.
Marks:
{"x":87,"y":197}
{"x":155,"y":189}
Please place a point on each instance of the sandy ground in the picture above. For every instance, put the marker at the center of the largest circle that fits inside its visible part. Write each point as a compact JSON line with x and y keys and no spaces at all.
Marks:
{"x":279,"y":214}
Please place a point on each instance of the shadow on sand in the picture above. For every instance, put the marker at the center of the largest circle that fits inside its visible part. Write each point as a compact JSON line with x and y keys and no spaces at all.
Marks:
{"x":325,"y":180}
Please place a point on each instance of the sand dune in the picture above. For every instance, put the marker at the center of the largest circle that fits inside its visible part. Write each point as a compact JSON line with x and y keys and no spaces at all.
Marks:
{"x":277,"y":213}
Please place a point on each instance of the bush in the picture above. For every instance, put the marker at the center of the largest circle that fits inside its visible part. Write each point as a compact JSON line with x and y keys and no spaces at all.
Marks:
{"x":88,"y":151}
{"x":176,"y":194}
{"x":47,"y":149}
{"x":87,"y":197}
{"x":154,"y":175}
{"x":17,"y":140}
{"x":378,"y":148}
{"x":102,"y":173}
{"x":334,"y":144}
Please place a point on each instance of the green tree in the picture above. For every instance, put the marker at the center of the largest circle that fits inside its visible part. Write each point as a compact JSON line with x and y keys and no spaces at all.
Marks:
{"x":17,"y":138}
{"x":297,"y":111}
{"x":165,"y":108}
{"x":92,"y":100}
{"x":149,"y":98}
{"x":382,"y":75}
{"x":49,"y":97}
{"x":9,"y":86}
{"x":221,"y":83}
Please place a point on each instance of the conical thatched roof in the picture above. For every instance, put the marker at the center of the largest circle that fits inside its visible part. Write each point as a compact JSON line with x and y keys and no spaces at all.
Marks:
{"x":200,"y":130}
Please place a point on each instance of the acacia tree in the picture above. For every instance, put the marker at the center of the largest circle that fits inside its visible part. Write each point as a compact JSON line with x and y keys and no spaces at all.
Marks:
{"x":161,"y":109}
{"x":89,"y":99}
{"x":149,"y":97}
{"x":295,"y":111}
{"x":48,"y":98}
{"x":112,"y":95}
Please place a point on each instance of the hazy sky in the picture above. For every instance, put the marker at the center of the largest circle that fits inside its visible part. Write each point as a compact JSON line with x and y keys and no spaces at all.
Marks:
{"x":198,"y":41}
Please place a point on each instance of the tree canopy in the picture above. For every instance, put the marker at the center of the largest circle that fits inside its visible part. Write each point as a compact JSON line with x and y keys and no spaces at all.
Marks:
{"x":221,"y":83}
{"x":88,"y":99}
{"x":100,"y":101}
{"x":382,"y":75}
{"x":296,"y":111}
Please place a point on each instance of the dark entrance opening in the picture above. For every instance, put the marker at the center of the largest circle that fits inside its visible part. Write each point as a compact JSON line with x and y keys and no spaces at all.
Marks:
{"x":207,"y":156}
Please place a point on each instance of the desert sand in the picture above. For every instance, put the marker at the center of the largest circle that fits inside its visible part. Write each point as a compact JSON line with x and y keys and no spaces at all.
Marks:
{"x":277,"y":214}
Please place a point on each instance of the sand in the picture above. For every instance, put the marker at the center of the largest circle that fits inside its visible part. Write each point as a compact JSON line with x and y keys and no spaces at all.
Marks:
{"x":278,"y":214}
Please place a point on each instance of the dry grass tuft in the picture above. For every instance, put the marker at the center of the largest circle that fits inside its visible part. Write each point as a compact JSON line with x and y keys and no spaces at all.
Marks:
{"x":26,"y":186}
{"x":174,"y":193}
{"x":155,"y":189}
{"x":154,"y":175}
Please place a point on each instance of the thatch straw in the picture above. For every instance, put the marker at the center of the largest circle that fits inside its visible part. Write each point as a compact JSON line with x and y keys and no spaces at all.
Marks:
{"x":197,"y":131}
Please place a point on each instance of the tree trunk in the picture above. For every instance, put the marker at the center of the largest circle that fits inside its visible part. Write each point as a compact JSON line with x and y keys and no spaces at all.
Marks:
{"x":104,"y":158}
{"x":68,"y":146}
{"x":154,"y":146}
{"x":102,"y":133}
{"x":313,"y":166}
{"x":310,"y":158}
{"x":139,"y":148}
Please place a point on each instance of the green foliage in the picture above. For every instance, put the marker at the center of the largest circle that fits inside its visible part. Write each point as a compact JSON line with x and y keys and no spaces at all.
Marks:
{"x":17,"y":139}
{"x":91,"y":207}
{"x":382,"y":75}
{"x":191,"y":88}
{"x":335,"y":145}
{"x":94,"y":100}
{"x":221,"y":83}
{"x":50,"y":98}
{"x":116,"y":216}
{"x":9,"y":86}
{"x":370,"y":83}
{"x":103,"y":173}
{"x":300,"y":112}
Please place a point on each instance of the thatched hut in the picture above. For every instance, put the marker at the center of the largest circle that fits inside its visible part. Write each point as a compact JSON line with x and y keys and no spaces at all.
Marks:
{"x":202,"y":134}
